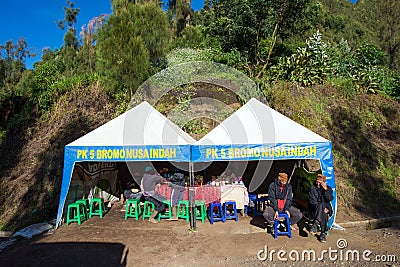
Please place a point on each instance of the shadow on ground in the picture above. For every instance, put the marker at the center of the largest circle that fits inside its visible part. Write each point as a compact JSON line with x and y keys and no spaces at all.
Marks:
{"x":66,"y":254}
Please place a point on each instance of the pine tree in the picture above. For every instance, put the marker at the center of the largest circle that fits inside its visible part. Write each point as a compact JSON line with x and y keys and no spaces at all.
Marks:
{"x":133,"y":40}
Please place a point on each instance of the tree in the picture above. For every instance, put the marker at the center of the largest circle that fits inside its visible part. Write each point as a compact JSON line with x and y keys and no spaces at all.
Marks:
{"x":389,"y":31}
{"x":252,"y":27}
{"x":381,"y":19}
{"x":12,"y":71}
{"x":181,"y":13}
{"x":71,"y":43}
{"x":86,"y":54}
{"x":152,"y":25}
{"x":12,"y":63}
{"x":133,"y":39}
{"x":285,"y":14}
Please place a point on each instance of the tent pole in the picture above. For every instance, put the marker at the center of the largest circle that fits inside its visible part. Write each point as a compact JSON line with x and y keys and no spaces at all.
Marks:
{"x":192,"y":213}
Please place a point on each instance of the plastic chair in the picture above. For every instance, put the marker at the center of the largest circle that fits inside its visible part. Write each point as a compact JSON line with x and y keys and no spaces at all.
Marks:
{"x":201,"y":210}
{"x":215,"y":212}
{"x":96,"y":207}
{"x":167,"y":213}
{"x":132,"y":208}
{"x":75,"y":213}
{"x":277,"y":231}
{"x":232,"y":215}
{"x":148,"y":209}
{"x":183,"y":209}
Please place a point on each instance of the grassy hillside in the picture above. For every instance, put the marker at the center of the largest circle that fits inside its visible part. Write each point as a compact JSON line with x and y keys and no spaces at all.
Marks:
{"x":365,"y":134}
{"x":364,"y":129}
{"x":32,"y":153}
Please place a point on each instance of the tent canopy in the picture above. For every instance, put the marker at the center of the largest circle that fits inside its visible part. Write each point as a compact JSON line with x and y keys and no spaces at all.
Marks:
{"x":255,"y":136}
{"x":256,"y":131}
{"x":142,"y":125}
{"x":140,"y":134}
{"x":259,"y":133}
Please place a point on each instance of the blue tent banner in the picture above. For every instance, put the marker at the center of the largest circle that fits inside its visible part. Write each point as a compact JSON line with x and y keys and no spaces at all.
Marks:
{"x":122,"y":153}
{"x":206,"y":153}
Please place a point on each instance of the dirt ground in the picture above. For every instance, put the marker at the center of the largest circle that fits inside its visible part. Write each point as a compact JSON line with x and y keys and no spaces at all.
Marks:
{"x":113,"y":241}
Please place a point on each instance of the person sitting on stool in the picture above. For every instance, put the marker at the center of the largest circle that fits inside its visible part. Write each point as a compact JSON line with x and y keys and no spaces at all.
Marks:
{"x":178,"y":191}
{"x":280,"y":196}
{"x":148,"y":187}
{"x":321,"y":195}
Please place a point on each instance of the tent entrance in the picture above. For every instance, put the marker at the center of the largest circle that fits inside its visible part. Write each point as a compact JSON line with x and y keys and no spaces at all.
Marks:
{"x":109,"y":179}
{"x":260,"y":174}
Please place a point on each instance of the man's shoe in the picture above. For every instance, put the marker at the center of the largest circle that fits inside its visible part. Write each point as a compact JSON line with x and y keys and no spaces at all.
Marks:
{"x":272,"y":231}
{"x":174,"y":216}
{"x":152,"y":220}
{"x":314,"y":229}
{"x":153,"y":216}
{"x":322,"y":238}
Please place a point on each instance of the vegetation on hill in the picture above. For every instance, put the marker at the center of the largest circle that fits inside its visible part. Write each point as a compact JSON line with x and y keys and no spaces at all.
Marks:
{"x":332,"y":66}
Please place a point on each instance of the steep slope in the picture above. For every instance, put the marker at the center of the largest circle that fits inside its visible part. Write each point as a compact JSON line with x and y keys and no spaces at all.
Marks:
{"x":365,"y":134}
{"x":30,"y":174}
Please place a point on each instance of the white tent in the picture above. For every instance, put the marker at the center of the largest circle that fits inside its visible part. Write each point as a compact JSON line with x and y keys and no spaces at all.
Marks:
{"x":140,"y":134}
{"x":257,"y":132}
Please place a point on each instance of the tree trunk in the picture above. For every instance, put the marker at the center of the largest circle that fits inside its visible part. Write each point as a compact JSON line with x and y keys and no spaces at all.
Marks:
{"x":274,"y":34}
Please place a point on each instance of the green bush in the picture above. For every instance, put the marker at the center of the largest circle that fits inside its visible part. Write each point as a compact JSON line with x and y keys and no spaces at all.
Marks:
{"x":310,"y":65}
{"x":49,"y":83}
{"x":318,"y":62}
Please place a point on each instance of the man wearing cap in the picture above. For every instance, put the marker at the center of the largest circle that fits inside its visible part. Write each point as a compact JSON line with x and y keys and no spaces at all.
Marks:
{"x":280,"y":197}
{"x":148,"y":187}
{"x":321,"y":195}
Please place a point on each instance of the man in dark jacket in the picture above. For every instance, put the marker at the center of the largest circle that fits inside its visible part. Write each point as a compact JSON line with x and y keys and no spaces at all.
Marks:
{"x":148,"y":187}
{"x":320,"y":197}
{"x":280,"y":197}
{"x":178,"y":190}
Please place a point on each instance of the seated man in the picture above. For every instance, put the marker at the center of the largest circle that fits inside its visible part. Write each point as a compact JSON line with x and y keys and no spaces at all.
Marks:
{"x":132,"y":193}
{"x":280,"y":196}
{"x":178,"y":191}
{"x":148,"y":187}
{"x":320,"y":197}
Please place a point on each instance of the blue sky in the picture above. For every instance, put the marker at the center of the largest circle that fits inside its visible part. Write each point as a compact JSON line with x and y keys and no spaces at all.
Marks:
{"x":36,"y":21}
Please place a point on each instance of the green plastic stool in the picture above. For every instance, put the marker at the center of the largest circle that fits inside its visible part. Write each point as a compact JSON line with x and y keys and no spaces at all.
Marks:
{"x":167,"y":213}
{"x":183,"y":209}
{"x":84,"y":206}
{"x":85,"y":203}
{"x":201,"y":210}
{"x":147,"y":209}
{"x":96,"y":207}
{"x":75,"y":213}
{"x":132,"y":208}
